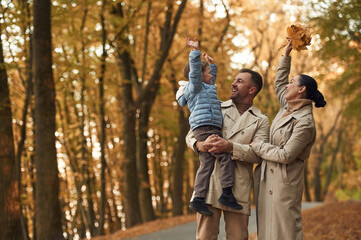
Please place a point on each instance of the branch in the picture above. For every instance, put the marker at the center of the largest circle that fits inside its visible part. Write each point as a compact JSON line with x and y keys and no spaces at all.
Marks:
{"x":167,"y":39}
{"x":225,"y":29}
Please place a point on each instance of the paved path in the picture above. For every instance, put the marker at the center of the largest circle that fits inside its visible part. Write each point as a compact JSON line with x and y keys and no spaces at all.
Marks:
{"x":188,"y":230}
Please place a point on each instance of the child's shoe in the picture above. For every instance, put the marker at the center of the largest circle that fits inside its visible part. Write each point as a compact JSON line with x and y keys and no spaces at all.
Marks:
{"x":199,"y":205}
{"x":229,"y":201}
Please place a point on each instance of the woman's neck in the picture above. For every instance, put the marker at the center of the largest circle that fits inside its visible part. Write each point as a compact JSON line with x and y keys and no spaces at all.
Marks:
{"x":296,"y":104}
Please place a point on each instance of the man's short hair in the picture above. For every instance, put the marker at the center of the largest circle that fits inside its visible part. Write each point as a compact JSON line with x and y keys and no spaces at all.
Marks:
{"x":187,"y":69}
{"x":256,"y":78}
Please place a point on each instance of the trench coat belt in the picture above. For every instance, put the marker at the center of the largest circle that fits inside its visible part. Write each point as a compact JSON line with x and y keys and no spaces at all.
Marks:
{"x":263,"y":169}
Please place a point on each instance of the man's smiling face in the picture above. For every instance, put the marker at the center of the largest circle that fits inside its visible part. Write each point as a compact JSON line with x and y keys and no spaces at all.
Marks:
{"x":241,"y":87}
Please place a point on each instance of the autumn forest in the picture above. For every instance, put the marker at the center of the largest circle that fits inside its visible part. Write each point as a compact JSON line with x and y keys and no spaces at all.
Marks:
{"x":92,"y":139}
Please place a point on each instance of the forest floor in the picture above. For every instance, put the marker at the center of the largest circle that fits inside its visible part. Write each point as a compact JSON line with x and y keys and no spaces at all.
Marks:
{"x":336,"y":220}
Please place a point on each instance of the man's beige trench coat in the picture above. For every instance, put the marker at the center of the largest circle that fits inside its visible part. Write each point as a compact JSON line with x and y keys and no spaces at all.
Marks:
{"x":280,"y":176}
{"x":241,"y":130}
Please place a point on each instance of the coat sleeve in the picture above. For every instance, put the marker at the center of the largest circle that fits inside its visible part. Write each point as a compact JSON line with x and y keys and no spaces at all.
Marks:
{"x":213,"y":69}
{"x":302,"y":135}
{"x":281,"y":81}
{"x":182,"y":101}
{"x":243,"y":152}
{"x":195,"y":72}
{"x":191,"y":141}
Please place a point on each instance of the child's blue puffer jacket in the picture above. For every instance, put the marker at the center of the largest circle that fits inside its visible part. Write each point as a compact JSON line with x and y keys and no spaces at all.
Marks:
{"x":200,"y":97}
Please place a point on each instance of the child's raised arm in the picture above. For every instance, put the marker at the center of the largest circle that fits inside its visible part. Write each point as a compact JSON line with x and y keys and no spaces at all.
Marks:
{"x":194,"y":44}
{"x":212,"y":67}
{"x":208,"y":58}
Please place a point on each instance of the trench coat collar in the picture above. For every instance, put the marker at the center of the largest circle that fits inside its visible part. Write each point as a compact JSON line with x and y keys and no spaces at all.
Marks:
{"x":305,"y":110}
{"x":250,"y":116}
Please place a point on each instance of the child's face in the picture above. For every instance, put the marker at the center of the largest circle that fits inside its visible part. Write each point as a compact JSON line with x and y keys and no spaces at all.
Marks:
{"x":207,"y":76}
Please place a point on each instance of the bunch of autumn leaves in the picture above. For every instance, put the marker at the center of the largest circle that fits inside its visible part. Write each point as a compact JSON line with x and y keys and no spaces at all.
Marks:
{"x":301,"y":37}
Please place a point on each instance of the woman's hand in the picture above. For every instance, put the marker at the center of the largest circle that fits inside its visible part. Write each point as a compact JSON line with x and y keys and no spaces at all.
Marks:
{"x":194,"y":44}
{"x":288,"y":47}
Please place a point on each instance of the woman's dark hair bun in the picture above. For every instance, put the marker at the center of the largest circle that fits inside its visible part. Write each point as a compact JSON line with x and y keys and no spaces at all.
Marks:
{"x":318,"y":99}
{"x":311,"y":90}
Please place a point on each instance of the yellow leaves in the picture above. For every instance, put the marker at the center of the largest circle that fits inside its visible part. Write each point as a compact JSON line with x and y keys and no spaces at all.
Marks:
{"x":301,"y":37}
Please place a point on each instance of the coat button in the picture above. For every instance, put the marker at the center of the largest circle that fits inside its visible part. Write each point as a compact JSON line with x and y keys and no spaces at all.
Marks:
{"x":225,"y":128}
{"x":270,"y":192}
{"x":272,"y":170}
{"x":281,"y":131}
{"x":242,"y":132}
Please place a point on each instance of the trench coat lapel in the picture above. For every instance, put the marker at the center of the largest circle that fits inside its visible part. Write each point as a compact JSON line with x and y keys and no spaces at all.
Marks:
{"x":282,"y":121}
{"x":241,"y":121}
{"x":307,"y":109}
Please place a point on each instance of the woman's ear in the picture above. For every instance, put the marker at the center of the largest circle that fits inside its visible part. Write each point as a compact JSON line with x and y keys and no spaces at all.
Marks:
{"x":302,"y":90}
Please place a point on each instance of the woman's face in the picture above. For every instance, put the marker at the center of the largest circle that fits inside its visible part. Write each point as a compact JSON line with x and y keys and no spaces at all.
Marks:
{"x":293,"y":90}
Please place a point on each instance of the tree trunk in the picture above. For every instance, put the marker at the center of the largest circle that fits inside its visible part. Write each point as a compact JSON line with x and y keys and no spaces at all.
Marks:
{"x":320,"y":154}
{"x":180,"y":148}
{"x":102,"y":126}
{"x":132,"y":207}
{"x":317,"y":178}
{"x":145,"y":193}
{"x":146,"y":102}
{"x":48,"y":213}
{"x":10,"y":224}
{"x":143,"y":103}
{"x":200,"y":19}
{"x":33,"y":185}
{"x":85,"y":156}
{"x":333,"y":160}
{"x":178,"y":165}
{"x":29,"y":92}
{"x":307,"y":188}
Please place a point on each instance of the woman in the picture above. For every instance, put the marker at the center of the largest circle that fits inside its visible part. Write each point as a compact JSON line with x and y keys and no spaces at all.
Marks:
{"x":279,"y":179}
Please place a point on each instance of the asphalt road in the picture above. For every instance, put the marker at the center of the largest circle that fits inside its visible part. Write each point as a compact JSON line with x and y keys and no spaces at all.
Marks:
{"x":188,"y":230}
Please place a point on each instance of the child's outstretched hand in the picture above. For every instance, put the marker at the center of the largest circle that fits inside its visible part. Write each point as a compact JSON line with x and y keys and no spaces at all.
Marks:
{"x":194,"y":44}
{"x":208,"y":58}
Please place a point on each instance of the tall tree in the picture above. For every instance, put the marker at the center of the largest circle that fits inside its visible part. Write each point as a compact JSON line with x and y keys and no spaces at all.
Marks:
{"x":136,"y":163}
{"x":9,"y":194}
{"x":102,"y":124}
{"x":178,"y":156}
{"x":146,"y":100}
{"x":48,"y":213}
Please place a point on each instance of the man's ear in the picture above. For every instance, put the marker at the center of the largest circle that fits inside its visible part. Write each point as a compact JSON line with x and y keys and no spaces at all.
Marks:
{"x":253,"y":90}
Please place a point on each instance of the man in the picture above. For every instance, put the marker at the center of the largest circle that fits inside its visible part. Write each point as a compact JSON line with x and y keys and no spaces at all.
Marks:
{"x":243,"y":123}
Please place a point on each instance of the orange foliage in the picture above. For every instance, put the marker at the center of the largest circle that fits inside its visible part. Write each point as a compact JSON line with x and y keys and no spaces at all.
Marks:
{"x":301,"y":37}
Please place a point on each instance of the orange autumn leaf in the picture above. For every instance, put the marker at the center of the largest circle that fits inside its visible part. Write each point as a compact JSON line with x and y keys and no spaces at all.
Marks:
{"x":301,"y":37}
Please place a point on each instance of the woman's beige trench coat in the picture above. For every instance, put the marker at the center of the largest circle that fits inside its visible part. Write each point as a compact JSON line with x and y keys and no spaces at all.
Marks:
{"x":279,"y":179}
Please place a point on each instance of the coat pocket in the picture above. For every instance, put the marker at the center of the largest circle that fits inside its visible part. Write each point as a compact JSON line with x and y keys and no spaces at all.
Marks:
{"x":284,"y":174}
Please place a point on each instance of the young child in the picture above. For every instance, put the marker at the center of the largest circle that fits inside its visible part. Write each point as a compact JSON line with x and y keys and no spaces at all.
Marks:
{"x":200,"y":94}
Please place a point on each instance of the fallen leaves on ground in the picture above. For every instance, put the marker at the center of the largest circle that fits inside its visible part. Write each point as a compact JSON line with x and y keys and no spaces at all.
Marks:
{"x":337,"y":220}
{"x":340,"y":220}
